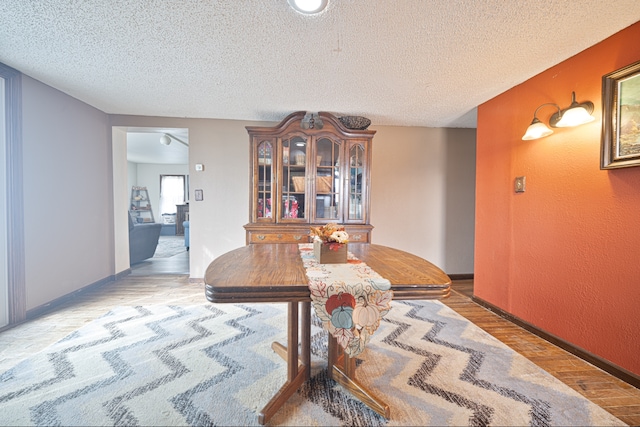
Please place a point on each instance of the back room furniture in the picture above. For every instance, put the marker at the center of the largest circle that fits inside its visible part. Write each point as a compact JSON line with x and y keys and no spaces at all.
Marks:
{"x":143,"y":240}
{"x":140,"y":205}
{"x":185,"y":224}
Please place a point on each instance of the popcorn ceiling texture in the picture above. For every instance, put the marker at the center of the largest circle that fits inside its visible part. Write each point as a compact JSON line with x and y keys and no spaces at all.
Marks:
{"x":405,"y":63}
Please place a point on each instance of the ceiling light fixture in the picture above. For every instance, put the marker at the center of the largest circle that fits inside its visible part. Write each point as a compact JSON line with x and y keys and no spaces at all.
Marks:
{"x":576,"y":114}
{"x":308,"y":7}
{"x":166,"y":139}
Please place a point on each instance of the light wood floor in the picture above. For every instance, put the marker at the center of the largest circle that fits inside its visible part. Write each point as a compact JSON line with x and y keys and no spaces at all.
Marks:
{"x":615,"y":396}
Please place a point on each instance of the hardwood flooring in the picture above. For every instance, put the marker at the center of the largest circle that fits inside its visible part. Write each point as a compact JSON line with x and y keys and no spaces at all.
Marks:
{"x":177,"y":264}
{"x":145,"y":287}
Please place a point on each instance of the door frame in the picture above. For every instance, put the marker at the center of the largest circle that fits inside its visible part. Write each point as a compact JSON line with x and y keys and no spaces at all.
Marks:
{"x":15,"y":277}
{"x":122,"y":191}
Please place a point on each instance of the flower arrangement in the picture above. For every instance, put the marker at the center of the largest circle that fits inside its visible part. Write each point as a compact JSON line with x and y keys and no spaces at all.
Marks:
{"x":331,"y":234}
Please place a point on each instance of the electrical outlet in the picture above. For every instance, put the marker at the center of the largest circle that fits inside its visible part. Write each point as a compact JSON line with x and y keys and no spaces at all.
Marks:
{"x":520,"y":184}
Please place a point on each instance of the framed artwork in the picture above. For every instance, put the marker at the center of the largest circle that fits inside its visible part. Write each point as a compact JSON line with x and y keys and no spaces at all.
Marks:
{"x":621,"y":118}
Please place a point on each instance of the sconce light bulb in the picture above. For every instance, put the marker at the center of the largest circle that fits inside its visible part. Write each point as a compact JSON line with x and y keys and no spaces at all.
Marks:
{"x":575,"y":116}
{"x":536,"y":130}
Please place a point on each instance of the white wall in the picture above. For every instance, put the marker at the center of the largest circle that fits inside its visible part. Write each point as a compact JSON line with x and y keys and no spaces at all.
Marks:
{"x":132,"y":176}
{"x":68,"y":207}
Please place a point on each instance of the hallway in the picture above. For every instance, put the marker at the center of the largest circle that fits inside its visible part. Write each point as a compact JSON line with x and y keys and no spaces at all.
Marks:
{"x":176,"y":264}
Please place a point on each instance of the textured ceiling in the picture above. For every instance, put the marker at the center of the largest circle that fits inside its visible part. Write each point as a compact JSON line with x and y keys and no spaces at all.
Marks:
{"x":398,"y":62}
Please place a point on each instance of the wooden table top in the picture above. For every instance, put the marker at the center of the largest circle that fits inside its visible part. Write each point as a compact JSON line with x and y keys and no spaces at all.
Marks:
{"x":275,"y":273}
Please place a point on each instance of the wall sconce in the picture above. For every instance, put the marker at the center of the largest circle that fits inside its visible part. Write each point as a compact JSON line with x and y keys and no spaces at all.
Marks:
{"x":574,"y":115}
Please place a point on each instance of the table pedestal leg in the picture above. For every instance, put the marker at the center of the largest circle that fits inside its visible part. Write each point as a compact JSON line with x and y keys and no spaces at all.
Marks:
{"x":298,"y":368}
{"x":342,"y":369}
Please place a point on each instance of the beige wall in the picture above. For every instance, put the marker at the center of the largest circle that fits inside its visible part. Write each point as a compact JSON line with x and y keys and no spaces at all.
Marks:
{"x":120,"y":203}
{"x":68,"y":208}
{"x":422,"y":198}
{"x":422,"y":189}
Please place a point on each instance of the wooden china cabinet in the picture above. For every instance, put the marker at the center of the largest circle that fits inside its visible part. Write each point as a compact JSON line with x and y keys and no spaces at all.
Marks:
{"x":308,"y":170}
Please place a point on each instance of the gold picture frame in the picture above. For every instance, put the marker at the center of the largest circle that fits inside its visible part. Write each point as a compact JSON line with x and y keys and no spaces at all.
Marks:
{"x":621,"y":118}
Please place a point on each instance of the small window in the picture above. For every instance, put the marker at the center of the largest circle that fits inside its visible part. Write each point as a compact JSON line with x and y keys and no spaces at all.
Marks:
{"x":173,"y":191}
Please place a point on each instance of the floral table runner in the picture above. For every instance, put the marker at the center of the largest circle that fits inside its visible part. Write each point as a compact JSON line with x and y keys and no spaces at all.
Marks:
{"x":350,"y":299}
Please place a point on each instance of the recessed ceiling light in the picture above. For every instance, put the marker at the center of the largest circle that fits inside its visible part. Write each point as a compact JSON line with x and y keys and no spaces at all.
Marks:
{"x":308,"y":7}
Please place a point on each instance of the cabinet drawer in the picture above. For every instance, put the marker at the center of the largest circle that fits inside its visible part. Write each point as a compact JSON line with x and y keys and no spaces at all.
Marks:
{"x":359,"y":237}
{"x":300,"y":233}
{"x":278,"y":238}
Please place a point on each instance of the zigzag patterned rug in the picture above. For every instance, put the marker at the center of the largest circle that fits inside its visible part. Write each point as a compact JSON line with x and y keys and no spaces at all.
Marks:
{"x":212,"y":365}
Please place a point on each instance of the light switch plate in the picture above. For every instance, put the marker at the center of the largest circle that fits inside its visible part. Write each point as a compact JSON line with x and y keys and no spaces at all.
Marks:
{"x":199,"y":167}
{"x":198,"y":195}
{"x":520,"y":184}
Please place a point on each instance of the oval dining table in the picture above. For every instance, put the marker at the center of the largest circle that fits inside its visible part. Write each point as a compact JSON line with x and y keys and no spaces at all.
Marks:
{"x":274,"y":273}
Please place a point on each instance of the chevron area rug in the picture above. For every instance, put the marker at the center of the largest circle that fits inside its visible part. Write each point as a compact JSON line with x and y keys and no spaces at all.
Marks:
{"x":212,"y":364}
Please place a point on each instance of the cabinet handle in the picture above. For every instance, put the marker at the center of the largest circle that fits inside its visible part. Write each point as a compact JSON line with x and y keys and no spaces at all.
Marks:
{"x":260,"y":237}
{"x":279,"y":236}
{"x":357,"y":237}
{"x":297,"y":237}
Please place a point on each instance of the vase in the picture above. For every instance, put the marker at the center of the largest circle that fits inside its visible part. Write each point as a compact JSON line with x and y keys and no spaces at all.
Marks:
{"x":326,"y":253}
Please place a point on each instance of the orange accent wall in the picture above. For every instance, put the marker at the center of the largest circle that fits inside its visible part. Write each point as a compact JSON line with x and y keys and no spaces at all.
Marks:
{"x":565,"y":254}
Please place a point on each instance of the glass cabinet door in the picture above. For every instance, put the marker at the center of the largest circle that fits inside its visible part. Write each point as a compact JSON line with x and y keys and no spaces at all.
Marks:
{"x":304,"y":175}
{"x":265,"y":152}
{"x":356,"y":169}
{"x":328,"y":194}
{"x":294,"y":172}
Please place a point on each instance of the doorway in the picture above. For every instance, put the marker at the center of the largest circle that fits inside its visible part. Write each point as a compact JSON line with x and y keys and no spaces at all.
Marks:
{"x":150,"y":154}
